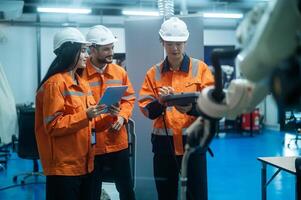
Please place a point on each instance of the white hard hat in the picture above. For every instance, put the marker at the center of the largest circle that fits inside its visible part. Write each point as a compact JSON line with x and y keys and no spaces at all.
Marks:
{"x":100,"y":35}
{"x":174,"y":30}
{"x":68,"y":34}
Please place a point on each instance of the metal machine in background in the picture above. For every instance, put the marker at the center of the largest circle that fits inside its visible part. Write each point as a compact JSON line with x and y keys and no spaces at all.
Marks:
{"x":269,"y":59}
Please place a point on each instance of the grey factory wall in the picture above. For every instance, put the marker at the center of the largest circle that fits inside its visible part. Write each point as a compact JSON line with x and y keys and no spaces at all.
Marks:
{"x":18,"y":59}
{"x":143,"y":49}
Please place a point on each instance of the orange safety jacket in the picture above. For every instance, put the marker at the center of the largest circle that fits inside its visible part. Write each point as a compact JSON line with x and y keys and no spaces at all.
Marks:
{"x":192,"y":76}
{"x":113,"y":75}
{"x":63,"y":130}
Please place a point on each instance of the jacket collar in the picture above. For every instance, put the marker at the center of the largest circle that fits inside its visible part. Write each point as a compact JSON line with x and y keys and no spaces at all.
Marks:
{"x":91,"y":69}
{"x":184,"y":66}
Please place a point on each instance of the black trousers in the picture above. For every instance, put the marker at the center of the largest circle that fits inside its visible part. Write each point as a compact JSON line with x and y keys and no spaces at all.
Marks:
{"x":119,"y":165}
{"x":69,"y":187}
{"x":167,"y":171}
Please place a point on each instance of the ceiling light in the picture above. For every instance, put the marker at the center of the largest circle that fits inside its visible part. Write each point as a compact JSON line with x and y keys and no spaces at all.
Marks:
{"x":223,"y":15}
{"x":140,"y":13}
{"x":64,"y":10}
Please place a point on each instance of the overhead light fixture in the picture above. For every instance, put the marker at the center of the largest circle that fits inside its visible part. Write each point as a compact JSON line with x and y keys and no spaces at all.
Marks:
{"x":223,"y":15}
{"x":64,"y":10}
{"x":140,"y":13}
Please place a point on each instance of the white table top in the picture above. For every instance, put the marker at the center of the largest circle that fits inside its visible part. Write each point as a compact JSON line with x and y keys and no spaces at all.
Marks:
{"x":284,"y":163}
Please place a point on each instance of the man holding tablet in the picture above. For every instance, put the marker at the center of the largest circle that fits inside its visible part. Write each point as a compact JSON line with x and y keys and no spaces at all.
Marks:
{"x":111,"y":144}
{"x":177,"y":73}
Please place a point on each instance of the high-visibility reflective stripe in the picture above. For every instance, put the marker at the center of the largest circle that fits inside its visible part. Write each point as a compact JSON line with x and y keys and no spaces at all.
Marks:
{"x":72,"y":93}
{"x":93,"y":84}
{"x":195,"y":67}
{"x":158,"y":72}
{"x":143,"y":97}
{"x":113,"y":82}
{"x":162,"y":131}
{"x":90,"y":93}
{"x":128,"y":97}
{"x":51,"y":117}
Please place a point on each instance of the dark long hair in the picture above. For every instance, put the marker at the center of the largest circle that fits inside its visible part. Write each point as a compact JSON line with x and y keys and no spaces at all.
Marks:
{"x":66,"y":59}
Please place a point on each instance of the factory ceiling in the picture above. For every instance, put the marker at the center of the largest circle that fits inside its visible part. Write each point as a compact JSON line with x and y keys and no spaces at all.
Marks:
{"x":114,"y":7}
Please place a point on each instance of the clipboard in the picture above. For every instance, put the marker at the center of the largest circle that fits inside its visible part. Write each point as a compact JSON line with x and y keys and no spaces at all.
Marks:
{"x":112,"y":95}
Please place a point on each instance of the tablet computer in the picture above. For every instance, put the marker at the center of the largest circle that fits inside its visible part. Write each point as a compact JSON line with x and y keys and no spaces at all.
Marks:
{"x":112,"y":95}
{"x":181,"y":99}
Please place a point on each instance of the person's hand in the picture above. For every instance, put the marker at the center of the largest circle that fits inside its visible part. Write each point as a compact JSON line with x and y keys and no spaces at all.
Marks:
{"x":184,"y":109}
{"x":164,"y":91}
{"x":95,"y":111}
{"x":118,"y":124}
{"x":114,"y":110}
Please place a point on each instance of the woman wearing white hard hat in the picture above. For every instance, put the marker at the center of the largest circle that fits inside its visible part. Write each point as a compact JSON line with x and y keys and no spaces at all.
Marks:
{"x":64,"y":121}
{"x":177,"y":73}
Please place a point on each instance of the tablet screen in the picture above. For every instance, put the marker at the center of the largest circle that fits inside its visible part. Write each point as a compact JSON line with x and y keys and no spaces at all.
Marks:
{"x":112,"y":95}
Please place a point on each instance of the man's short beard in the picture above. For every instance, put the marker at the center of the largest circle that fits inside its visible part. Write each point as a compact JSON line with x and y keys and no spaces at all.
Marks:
{"x":103,"y":61}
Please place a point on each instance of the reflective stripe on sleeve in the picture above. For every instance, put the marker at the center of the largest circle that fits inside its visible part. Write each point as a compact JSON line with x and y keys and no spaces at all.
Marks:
{"x":51,"y":117}
{"x":72,"y":93}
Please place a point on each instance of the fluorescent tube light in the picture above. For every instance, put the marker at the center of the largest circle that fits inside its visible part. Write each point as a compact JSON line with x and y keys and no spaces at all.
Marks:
{"x":223,"y":15}
{"x":140,"y":13}
{"x":64,"y":10}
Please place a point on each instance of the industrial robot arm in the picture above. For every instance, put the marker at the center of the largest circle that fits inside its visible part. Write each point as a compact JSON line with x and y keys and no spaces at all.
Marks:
{"x":268,"y":35}
{"x":240,"y":97}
